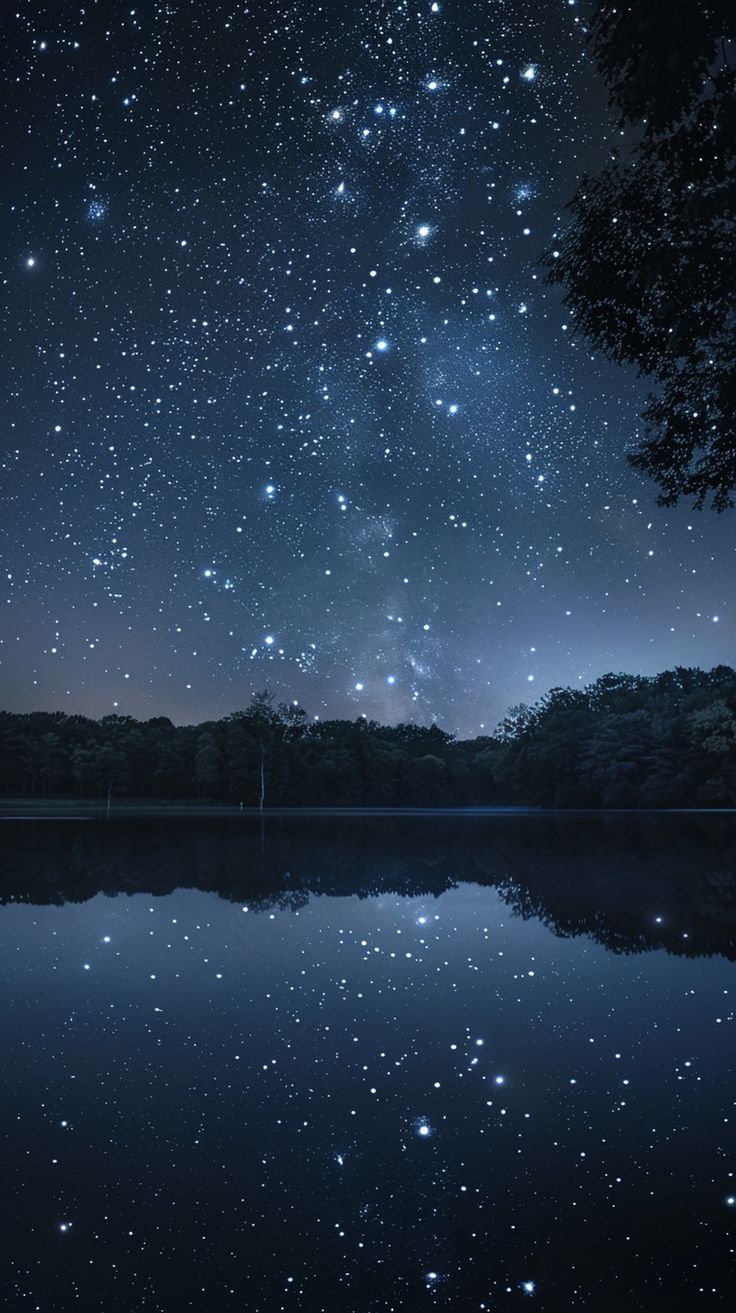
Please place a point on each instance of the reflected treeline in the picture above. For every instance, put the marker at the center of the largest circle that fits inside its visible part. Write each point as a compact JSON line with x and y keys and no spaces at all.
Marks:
{"x":632,"y":883}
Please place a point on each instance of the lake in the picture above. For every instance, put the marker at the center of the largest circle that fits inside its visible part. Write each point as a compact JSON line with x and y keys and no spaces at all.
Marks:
{"x":379,"y":1063}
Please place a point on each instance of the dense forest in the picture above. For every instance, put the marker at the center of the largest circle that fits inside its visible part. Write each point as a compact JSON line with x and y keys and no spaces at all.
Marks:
{"x":624,"y":741}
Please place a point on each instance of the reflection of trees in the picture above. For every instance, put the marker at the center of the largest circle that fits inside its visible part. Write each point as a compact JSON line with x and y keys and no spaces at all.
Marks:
{"x":608,"y":878}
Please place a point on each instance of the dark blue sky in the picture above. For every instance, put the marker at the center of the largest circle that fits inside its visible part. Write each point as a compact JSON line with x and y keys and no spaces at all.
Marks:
{"x":290,"y":404}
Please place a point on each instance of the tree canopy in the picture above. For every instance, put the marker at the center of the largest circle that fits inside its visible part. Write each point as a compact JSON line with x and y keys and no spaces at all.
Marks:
{"x":625,"y":741}
{"x":648,"y":257}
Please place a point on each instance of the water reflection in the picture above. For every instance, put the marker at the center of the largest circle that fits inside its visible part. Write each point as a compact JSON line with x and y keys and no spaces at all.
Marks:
{"x":632,"y":883}
{"x":377,"y":1065}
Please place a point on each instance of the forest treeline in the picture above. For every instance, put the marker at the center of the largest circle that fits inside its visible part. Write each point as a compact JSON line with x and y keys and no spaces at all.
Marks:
{"x":624,"y":741}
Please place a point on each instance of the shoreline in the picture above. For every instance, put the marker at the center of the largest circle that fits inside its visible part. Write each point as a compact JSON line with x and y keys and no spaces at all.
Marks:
{"x":23,"y":809}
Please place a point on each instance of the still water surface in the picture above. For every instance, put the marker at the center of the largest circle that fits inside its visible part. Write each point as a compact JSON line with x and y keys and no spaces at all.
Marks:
{"x":369,"y":1065}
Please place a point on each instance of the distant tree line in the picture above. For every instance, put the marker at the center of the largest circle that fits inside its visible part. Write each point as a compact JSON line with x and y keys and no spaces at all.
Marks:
{"x":624,"y":741}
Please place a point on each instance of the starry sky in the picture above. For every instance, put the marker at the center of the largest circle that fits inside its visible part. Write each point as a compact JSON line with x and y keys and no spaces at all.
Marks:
{"x":288,"y":403}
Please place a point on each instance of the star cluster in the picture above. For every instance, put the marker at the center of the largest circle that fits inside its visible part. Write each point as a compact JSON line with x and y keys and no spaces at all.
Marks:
{"x":290,"y":403}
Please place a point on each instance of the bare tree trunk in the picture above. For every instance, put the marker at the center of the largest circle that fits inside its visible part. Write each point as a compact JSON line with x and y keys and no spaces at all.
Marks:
{"x":263,"y":781}
{"x":109,"y":800}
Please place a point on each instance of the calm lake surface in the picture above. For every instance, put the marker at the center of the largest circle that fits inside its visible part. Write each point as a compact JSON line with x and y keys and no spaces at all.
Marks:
{"x":368,"y":1064}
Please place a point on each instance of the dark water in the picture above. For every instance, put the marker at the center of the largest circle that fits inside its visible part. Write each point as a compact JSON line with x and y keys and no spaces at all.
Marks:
{"x":369,"y":1065}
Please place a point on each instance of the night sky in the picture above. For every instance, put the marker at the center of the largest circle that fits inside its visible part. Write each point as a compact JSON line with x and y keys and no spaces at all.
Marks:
{"x":288,"y":401}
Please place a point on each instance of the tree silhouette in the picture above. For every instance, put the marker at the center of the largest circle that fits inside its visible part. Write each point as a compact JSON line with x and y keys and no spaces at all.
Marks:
{"x":208,"y":763}
{"x":626,"y":740}
{"x":648,"y":259}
